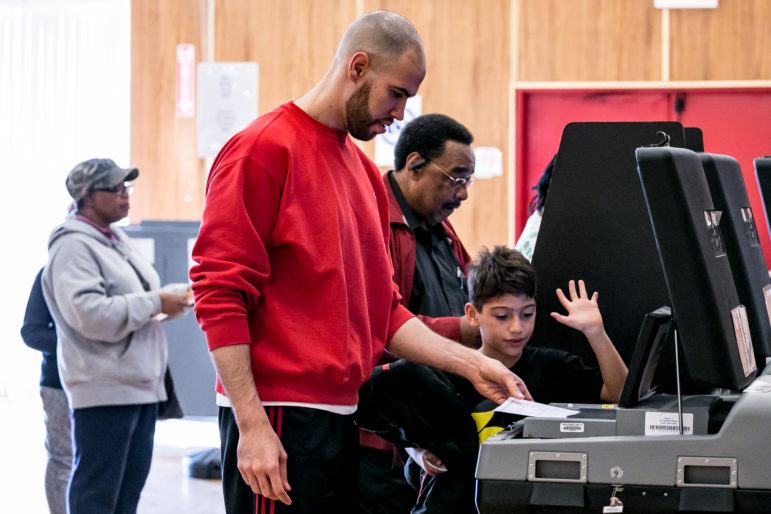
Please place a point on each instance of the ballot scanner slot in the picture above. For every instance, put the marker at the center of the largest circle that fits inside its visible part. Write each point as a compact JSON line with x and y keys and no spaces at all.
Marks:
{"x":564,"y":467}
{"x":554,"y":469}
{"x":706,"y":472}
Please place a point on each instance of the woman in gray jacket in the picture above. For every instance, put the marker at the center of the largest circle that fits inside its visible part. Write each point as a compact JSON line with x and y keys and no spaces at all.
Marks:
{"x":104,"y":298}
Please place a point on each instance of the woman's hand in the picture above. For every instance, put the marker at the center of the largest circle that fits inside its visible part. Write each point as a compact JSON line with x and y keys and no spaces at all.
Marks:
{"x":173,"y":304}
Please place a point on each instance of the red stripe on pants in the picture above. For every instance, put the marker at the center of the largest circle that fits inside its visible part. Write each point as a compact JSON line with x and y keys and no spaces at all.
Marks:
{"x":263,"y":505}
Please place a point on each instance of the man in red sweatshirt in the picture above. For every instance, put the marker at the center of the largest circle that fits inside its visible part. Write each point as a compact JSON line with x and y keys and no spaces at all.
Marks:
{"x":293,"y":282}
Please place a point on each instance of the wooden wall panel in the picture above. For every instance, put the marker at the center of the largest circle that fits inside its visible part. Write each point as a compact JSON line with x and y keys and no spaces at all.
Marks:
{"x":732,"y":42}
{"x":589,"y":40}
{"x":468,"y":55}
{"x":294,"y":41}
{"x":171,"y":180}
{"x":468,"y":46}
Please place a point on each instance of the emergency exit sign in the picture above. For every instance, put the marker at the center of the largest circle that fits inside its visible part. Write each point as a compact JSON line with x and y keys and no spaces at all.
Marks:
{"x":184,"y":101}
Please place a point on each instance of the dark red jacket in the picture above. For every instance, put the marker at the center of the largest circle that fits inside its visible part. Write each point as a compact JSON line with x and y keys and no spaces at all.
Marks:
{"x":402,"y":247}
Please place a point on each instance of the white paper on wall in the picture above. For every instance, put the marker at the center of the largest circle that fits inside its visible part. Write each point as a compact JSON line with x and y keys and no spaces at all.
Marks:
{"x":488,"y":162}
{"x":385,"y":143}
{"x":228,"y":93}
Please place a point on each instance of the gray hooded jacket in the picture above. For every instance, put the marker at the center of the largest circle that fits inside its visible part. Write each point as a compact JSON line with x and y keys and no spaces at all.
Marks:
{"x":111,"y":350}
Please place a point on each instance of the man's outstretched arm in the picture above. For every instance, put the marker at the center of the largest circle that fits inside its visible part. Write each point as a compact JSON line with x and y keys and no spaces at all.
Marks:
{"x":416,"y":342}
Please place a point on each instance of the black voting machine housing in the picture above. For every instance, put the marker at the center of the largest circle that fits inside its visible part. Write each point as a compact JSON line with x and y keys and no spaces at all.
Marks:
{"x":763,"y":178}
{"x":646,"y":357}
{"x":596,"y":227}
{"x":717,"y":349}
{"x":740,"y":233}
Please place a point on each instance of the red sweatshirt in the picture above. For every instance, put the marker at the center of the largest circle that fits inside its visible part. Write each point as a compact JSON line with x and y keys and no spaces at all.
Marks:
{"x":292,"y":258}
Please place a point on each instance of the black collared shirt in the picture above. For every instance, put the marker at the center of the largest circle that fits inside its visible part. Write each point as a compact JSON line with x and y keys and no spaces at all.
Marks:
{"x":439,"y":285}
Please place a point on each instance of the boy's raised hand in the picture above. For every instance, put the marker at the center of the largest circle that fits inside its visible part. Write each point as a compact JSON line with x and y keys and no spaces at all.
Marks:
{"x":584,"y":315}
{"x":583,"y":312}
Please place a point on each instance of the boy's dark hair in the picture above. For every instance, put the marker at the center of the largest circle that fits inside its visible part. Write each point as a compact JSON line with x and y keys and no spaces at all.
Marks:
{"x":498,"y":272}
{"x":426,"y":135}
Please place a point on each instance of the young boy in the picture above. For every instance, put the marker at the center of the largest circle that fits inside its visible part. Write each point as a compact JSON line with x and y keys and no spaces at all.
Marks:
{"x":432,"y":409}
{"x":502,"y":286}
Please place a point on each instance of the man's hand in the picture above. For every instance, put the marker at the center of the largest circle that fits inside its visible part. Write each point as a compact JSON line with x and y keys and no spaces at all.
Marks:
{"x":262,"y":462}
{"x":583,"y":312}
{"x":428,"y":461}
{"x":495,"y":381}
{"x":414,"y":341}
{"x":261,"y":456}
{"x":433,"y":464}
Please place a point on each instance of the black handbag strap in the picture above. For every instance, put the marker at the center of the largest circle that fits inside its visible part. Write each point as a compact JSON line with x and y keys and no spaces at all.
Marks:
{"x":145,"y":283}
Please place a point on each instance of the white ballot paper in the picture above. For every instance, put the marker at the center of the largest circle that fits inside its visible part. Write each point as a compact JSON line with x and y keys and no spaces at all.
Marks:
{"x":533,"y":409}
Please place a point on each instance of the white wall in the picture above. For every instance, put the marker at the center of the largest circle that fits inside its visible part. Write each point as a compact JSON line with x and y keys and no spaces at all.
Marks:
{"x":64,"y":97}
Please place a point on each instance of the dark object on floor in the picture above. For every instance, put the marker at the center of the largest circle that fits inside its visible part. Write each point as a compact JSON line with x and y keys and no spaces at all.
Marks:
{"x":204,"y":464}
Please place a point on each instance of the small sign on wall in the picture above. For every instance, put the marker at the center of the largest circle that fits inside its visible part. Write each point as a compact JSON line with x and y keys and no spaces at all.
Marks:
{"x":384,"y":143}
{"x":184,"y":102}
{"x":227,"y":101}
{"x":488,"y":162}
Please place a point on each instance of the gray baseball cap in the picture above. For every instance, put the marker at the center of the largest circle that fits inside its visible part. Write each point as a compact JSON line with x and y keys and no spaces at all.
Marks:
{"x":96,"y":174}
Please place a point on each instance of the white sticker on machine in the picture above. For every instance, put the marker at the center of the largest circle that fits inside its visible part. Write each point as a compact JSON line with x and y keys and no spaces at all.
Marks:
{"x":667,"y":423}
{"x":571,"y":427}
{"x":767,"y":297}
{"x":743,"y":339}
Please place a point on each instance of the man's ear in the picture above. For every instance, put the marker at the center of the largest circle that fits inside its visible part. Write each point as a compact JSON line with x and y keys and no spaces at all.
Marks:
{"x":358,"y":66}
{"x":414,"y":162}
{"x":472,"y":315}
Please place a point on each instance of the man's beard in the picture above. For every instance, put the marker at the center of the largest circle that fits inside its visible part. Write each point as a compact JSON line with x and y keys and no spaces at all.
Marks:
{"x":357,"y":116}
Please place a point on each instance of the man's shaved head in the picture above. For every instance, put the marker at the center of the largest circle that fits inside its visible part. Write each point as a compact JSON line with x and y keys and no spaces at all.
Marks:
{"x":379,"y":64}
{"x":383,"y":35}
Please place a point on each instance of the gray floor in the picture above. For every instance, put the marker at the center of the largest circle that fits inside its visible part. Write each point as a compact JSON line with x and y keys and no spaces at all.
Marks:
{"x":168,"y":489}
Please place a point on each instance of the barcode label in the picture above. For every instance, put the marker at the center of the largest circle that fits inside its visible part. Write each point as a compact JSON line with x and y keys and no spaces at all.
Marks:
{"x":571,"y":427}
{"x":664,"y":427}
{"x":667,"y":423}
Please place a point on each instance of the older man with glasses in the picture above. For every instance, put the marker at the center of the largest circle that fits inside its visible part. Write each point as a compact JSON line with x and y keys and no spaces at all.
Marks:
{"x":433,"y":168}
{"x":434,"y":164}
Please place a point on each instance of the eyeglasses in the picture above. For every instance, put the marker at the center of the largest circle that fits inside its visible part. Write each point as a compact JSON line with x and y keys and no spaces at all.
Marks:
{"x":457,"y":183}
{"x":116,"y":190}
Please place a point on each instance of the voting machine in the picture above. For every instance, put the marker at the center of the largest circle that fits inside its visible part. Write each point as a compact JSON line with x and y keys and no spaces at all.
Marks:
{"x":692,"y":429}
